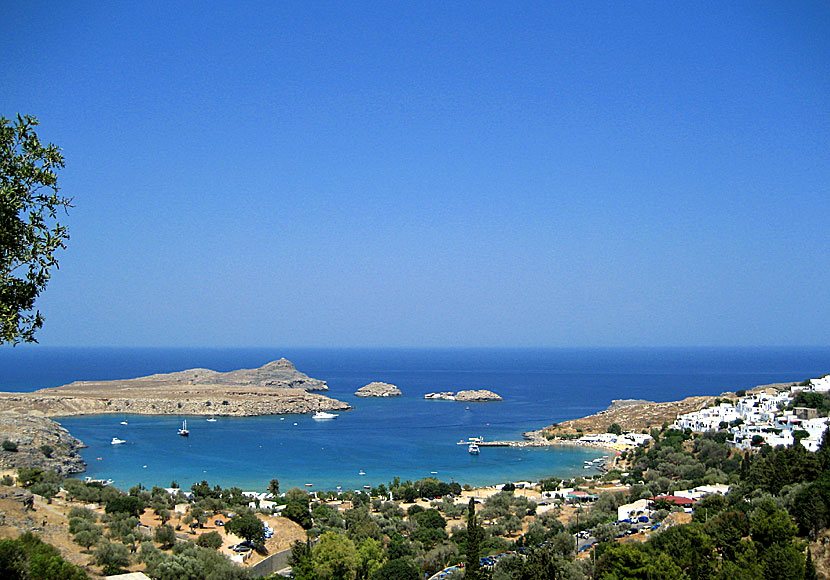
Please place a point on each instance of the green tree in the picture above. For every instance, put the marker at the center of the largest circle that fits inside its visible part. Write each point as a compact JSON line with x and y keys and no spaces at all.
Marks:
{"x":297,"y":511}
{"x":615,"y":429}
{"x":126,"y":504}
{"x":335,"y":557}
{"x":300,"y":560}
{"x":247,"y":526}
{"x":475,"y":535}
{"x":274,"y":487}
{"x":165,"y":535}
{"x":210,"y":540}
{"x":112,"y":556}
{"x":398,"y":570}
{"x":12,"y":560}
{"x":30,"y":234}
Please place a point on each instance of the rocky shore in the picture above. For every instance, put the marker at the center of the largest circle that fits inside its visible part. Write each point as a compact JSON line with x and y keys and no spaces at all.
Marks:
{"x":40,"y":443}
{"x":377,"y":389}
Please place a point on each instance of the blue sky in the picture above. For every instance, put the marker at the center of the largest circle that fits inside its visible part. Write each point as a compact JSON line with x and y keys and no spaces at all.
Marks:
{"x":418,"y":174}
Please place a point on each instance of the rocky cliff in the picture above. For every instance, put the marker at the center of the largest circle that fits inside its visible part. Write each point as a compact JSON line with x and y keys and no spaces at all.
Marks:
{"x":40,"y":443}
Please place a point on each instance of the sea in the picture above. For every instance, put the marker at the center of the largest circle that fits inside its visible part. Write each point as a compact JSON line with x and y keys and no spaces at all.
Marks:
{"x":379,"y":439}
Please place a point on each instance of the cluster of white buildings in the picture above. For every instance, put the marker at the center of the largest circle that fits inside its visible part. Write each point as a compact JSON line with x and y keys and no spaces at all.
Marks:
{"x":618,"y":442}
{"x":763,"y":415}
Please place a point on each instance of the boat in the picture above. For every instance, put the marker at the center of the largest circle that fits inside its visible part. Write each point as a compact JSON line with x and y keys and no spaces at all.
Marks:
{"x":309,"y":484}
{"x":361,"y":472}
{"x":473,"y":449}
{"x":211,"y":420}
{"x":117,"y":441}
{"x":124,"y":422}
{"x":89,"y":479}
{"x":323,"y":415}
{"x":183,"y":431}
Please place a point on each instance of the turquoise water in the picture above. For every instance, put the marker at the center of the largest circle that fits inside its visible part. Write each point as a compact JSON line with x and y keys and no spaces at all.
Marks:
{"x":407,"y":436}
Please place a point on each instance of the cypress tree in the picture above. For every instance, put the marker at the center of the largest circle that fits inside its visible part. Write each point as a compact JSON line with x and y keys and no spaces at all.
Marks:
{"x":810,"y":568}
{"x":474,"y":536}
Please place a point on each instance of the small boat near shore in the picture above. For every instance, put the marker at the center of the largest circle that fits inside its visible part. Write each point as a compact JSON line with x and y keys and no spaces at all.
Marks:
{"x":211,"y":419}
{"x":473,"y":449}
{"x":89,"y":479}
{"x":184,"y":432}
{"x":324,"y":415}
{"x":117,"y":441}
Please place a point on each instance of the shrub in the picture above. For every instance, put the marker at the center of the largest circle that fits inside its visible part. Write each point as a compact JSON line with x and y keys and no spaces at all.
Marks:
{"x":9,"y":446}
{"x":47,"y":450}
{"x":210,"y":540}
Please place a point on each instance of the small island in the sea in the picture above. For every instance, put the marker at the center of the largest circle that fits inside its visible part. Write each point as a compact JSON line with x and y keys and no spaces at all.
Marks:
{"x":471,"y":396}
{"x":378,"y":389}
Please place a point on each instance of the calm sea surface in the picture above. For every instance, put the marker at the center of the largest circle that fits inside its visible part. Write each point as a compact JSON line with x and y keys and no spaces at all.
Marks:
{"x":407,"y":436}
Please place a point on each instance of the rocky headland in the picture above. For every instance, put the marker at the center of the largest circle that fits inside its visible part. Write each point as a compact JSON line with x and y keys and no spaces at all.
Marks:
{"x":471,"y":396}
{"x":629,"y":414}
{"x":272,"y":389}
{"x":377,"y":389}
{"x":39,"y":442}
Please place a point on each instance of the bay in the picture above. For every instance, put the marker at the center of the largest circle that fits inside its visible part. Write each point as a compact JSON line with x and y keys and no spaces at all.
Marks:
{"x":408,"y":436}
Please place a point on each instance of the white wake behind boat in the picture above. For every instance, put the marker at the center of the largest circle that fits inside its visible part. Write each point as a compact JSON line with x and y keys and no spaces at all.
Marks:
{"x":323,"y":415}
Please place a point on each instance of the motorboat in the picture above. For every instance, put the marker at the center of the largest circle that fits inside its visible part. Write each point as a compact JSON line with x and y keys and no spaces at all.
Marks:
{"x":183,"y":431}
{"x":323,"y":415}
{"x":117,"y":441}
{"x":473,"y":449}
{"x":211,"y":420}
{"x":89,"y":479}
{"x":361,"y":472}
{"x":124,"y":422}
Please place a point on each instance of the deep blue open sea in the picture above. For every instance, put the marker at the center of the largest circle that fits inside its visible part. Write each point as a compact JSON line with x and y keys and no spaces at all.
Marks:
{"x":408,"y":436}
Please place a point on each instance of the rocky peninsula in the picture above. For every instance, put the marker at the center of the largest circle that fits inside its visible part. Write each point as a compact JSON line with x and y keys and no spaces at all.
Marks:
{"x":377,"y":389}
{"x":38,"y":442}
{"x":471,"y":396}
{"x":272,"y":389}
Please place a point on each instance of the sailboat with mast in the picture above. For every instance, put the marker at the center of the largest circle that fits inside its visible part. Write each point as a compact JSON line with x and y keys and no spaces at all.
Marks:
{"x":183,"y":431}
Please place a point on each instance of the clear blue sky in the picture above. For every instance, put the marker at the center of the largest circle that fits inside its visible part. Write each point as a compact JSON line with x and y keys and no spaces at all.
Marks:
{"x":433,"y":174}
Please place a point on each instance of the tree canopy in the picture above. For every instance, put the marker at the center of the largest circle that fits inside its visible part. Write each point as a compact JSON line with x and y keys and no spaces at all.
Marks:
{"x":30,"y":234}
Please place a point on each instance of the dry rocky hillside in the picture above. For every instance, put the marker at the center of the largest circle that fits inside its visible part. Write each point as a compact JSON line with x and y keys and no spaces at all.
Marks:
{"x":631,"y":415}
{"x":272,"y":389}
{"x":637,"y":414}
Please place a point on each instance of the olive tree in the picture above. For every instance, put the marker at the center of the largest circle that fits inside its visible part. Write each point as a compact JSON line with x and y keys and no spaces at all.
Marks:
{"x":30,"y":234}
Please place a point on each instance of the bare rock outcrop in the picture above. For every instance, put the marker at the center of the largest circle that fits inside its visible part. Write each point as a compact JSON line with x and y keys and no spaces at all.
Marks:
{"x":478,"y":395}
{"x":40,"y":442}
{"x":378,"y":389}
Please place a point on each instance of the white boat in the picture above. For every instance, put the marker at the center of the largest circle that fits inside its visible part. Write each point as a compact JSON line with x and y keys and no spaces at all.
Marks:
{"x":361,"y":472}
{"x":124,"y":422}
{"x":183,"y":431}
{"x":324,"y":415}
{"x":117,"y":441}
{"x":473,"y":449}
{"x":211,"y":420}
{"x":89,"y":479}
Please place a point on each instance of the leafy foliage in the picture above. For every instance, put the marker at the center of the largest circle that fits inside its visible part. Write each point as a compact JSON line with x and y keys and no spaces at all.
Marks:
{"x":30,"y":234}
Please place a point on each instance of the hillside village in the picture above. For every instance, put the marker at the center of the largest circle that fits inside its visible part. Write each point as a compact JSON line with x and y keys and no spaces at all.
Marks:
{"x":764,"y":417}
